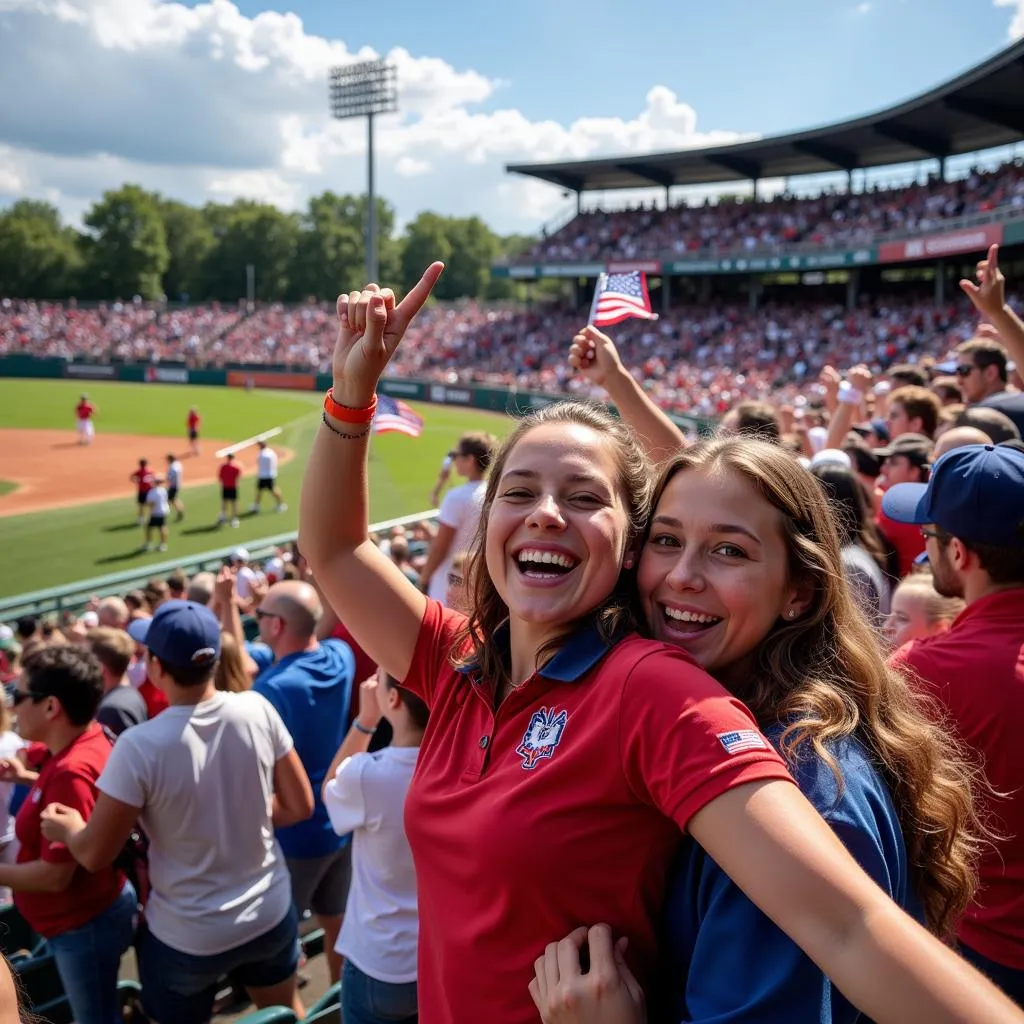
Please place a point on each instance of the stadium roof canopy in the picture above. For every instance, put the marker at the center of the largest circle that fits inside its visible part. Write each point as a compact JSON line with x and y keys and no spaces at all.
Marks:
{"x":981,"y":109}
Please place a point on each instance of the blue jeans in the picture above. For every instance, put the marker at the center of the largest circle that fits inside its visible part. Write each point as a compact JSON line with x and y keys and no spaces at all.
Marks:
{"x":364,"y":1000}
{"x":89,"y":958}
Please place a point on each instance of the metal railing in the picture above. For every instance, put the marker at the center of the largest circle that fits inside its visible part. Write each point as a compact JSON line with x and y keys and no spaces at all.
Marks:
{"x":73,"y":596}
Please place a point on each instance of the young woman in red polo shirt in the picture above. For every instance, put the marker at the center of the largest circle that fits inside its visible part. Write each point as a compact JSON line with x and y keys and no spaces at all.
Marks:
{"x":561,"y":760}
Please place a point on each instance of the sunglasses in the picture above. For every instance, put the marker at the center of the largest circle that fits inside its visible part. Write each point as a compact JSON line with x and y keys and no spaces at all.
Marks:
{"x":965,"y":371}
{"x":455,"y":581}
{"x":261,"y":614}
{"x":20,"y":696}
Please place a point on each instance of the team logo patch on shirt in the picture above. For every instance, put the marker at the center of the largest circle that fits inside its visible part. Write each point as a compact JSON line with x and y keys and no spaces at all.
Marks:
{"x":741,"y":740}
{"x":542,"y":736}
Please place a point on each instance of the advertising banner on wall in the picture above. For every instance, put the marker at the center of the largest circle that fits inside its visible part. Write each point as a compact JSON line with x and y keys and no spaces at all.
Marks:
{"x":166,"y":374}
{"x":952,"y":243}
{"x":256,"y":379}
{"x":90,"y":371}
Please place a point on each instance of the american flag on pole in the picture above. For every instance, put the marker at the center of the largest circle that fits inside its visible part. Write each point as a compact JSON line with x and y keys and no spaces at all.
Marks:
{"x":618,"y":297}
{"x":395,"y":417}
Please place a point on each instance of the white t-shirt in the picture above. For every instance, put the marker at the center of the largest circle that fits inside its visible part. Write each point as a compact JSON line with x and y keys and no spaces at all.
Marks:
{"x":204,"y":778}
{"x":380,"y":931}
{"x":244,"y":580}
{"x":10,"y":744}
{"x":174,"y":474}
{"x":266,"y":463}
{"x":460,"y":510}
{"x":159,"y":503}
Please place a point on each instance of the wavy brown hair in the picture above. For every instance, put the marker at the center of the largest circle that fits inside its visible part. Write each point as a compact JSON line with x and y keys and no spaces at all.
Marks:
{"x":824,"y":678}
{"x":618,"y":613}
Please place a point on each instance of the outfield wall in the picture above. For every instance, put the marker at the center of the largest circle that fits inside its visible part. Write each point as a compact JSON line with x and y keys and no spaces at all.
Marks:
{"x":471,"y":396}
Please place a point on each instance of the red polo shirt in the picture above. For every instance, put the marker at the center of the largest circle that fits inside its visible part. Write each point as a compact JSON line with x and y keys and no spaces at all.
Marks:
{"x":561,"y":809}
{"x":67,"y":778}
{"x":976,"y":671}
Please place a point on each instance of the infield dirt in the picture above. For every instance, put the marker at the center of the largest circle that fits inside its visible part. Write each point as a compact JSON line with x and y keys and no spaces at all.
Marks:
{"x":52,"y":470}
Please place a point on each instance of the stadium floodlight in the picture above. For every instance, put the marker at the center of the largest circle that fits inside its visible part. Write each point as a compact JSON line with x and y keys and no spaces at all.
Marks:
{"x":365,"y":89}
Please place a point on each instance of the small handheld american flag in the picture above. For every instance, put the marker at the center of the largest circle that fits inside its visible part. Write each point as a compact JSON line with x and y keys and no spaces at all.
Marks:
{"x":618,"y":297}
{"x":396,"y":417}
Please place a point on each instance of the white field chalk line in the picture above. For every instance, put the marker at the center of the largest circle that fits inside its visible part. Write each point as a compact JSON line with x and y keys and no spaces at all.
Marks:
{"x":255,"y":439}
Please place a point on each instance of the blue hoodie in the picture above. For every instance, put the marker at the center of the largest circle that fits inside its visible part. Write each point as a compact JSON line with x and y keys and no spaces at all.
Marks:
{"x":312,"y":691}
{"x":728,"y":962}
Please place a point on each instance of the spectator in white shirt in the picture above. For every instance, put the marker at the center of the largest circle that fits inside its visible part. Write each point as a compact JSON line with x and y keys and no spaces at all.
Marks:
{"x":159,"y":505}
{"x":266,"y":478}
{"x":365,"y":794}
{"x":460,"y":513}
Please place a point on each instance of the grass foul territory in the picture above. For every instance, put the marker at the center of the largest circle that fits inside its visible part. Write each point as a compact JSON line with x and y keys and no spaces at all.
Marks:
{"x":90,"y":537}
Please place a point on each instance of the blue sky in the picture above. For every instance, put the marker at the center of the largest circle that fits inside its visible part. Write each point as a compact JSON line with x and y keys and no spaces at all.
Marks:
{"x":745,"y":66}
{"x":221,"y":99}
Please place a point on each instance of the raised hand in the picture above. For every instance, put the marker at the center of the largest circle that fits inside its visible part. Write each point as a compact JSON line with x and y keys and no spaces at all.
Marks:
{"x":606,"y":993}
{"x":371,"y":326}
{"x":368,"y":712}
{"x":989,"y":294}
{"x":13,"y":769}
{"x":594,"y":355}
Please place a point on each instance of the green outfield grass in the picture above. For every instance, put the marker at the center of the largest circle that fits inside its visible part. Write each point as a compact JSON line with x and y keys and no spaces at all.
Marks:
{"x":45,"y":549}
{"x":6,"y":486}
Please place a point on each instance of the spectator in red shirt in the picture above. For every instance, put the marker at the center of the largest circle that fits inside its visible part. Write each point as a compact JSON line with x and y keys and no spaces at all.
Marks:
{"x":228,"y":474}
{"x":143,"y":479}
{"x":88,"y":918}
{"x":972,"y":514}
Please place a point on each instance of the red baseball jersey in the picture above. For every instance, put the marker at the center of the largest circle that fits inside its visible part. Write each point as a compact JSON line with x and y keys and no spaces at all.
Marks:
{"x":84,"y":410}
{"x":143,"y":480}
{"x":563,"y":807}
{"x":229,"y":473}
{"x":193,"y":421}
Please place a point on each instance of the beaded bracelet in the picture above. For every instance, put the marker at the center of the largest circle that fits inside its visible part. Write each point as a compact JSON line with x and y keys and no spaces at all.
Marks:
{"x":340,"y":433}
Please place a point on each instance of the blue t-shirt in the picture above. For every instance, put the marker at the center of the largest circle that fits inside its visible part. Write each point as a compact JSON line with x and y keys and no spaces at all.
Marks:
{"x":727,"y":961}
{"x":311,"y":691}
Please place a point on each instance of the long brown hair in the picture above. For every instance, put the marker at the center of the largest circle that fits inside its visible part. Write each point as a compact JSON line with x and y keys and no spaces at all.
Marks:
{"x":618,"y":612}
{"x":824,"y":678}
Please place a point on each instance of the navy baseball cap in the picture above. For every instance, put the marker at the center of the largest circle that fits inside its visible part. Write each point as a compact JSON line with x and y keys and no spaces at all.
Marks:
{"x":975,"y":493}
{"x":181,"y":633}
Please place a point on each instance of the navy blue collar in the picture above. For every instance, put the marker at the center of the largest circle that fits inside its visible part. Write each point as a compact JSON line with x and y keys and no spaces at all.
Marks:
{"x":582,"y":650}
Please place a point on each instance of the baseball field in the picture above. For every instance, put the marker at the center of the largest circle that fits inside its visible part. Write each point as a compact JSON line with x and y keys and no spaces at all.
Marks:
{"x":68,"y":513}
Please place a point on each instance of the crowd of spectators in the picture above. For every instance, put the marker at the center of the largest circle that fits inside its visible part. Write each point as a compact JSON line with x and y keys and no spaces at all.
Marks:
{"x":837,"y":219}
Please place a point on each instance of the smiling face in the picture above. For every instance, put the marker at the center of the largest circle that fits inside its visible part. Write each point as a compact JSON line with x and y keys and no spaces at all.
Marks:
{"x":713,"y":575}
{"x":557,"y":529}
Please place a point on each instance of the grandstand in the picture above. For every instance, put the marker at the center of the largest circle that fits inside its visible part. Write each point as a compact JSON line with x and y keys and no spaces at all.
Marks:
{"x":860,"y":239}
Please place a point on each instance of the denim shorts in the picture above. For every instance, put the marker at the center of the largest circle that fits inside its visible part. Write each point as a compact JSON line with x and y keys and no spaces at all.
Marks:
{"x":364,"y":1000}
{"x":180,"y":988}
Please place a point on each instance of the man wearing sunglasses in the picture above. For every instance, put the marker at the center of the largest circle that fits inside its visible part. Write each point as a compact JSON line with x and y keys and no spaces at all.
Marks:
{"x":982,"y":369}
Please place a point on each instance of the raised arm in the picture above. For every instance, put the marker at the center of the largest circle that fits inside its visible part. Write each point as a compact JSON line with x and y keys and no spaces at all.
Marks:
{"x":595,"y":356}
{"x":776,"y":848}
{"x":367,"y":591}
{"x":989,"y":298}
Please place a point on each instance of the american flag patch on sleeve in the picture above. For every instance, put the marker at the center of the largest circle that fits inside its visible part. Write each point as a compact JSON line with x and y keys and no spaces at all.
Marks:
{"x":741,"y":740}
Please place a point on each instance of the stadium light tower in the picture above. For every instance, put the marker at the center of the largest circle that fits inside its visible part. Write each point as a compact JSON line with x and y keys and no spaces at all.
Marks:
{"x":365,"y":90}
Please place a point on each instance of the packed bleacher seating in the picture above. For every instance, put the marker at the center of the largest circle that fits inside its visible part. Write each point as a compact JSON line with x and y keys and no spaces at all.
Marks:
{"x":836,"y":219}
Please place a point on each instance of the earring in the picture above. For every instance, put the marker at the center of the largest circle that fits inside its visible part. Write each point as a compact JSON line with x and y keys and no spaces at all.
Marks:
{"x":791,"y":613}
{"x":628,"y":563}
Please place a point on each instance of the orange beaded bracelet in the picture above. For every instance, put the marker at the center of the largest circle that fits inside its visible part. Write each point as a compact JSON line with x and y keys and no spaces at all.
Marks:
{"x":345,"y":413}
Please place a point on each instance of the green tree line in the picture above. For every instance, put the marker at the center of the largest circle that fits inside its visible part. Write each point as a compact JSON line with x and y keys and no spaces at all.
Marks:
{"x":136,"y":242}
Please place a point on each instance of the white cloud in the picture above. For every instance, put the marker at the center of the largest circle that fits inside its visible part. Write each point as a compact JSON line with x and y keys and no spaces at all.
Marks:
{"x":205,"y":103}
{"x":863,"y":8}
{"x":1016,"y":29}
